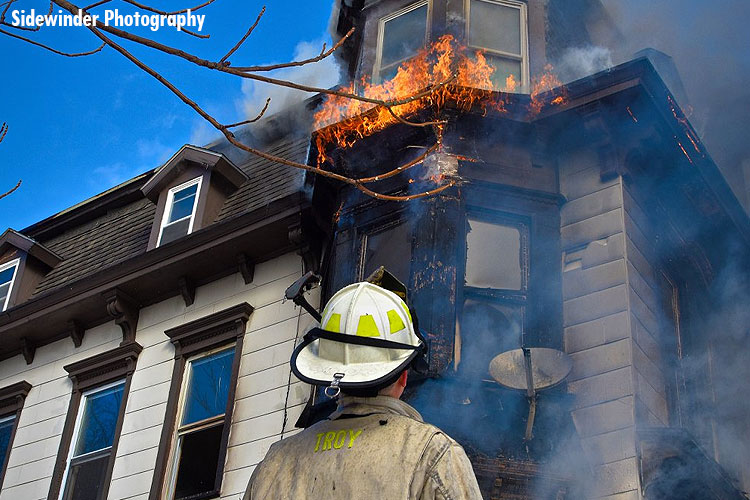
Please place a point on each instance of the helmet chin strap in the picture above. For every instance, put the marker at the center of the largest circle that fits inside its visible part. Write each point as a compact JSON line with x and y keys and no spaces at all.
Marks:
{"x":333,"y":390}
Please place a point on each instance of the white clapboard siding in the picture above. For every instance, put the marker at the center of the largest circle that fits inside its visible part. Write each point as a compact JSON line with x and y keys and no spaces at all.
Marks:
{"x":264,"y":387}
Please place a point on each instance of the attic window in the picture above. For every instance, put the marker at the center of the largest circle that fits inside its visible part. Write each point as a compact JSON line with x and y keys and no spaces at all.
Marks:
{"x":7,"y":277}
{"x":179,"y":216}
{"x":400,"y":36}
{"x":189,"y":192}
{"x":498,"y":28}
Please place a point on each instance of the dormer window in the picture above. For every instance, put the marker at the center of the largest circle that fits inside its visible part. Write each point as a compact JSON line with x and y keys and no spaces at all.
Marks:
{"x":179,"y":217}
{"x":400,"y":36}
{"x":189,"y":192}
{"x":7,"y":277}
{"x":23,"y":263}
{"x":498,"y":28}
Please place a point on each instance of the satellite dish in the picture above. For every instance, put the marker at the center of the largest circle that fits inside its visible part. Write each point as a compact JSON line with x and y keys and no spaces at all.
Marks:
{"x":549,"y":367}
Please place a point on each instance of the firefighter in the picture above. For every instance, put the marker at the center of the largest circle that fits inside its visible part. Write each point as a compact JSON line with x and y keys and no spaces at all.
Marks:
{"x":374,"y":446}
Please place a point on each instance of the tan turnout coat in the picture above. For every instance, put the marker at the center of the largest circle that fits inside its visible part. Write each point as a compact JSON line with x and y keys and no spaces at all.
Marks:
{"x":370,"y":448}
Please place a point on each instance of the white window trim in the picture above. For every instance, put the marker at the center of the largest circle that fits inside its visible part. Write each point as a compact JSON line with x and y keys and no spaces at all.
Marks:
{"x":168,"y":206}
{"x":381,"y":33}
{"x":524,"y":57}
{"x":13,"y":263}
{"x":77,"y":429}
{"x":175,"y":451}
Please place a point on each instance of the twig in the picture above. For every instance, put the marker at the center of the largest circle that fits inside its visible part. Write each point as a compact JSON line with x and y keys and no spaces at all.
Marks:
{"x":23,"y":28}
{"x":164,"y":13}
{"x":3,"y":131}
{"x":323,"y":54}
{"x":96,"y":4}
{"x":242,"y":40}
{"x":18,"y":185}
{"x":253,"y":120}
{"x":47,"y":47}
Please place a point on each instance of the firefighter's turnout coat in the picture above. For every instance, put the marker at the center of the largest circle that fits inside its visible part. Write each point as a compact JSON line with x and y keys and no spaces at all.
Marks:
{"x":370,"y":448}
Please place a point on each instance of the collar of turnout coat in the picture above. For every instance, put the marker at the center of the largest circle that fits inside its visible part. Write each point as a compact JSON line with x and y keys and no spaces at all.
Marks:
{"x":349,"y":405}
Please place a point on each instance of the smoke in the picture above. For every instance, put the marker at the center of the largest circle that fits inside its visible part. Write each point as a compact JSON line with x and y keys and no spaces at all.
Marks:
{"x":708,"y":43}
{"x":578,"y":62}
{"x":322,"y":74}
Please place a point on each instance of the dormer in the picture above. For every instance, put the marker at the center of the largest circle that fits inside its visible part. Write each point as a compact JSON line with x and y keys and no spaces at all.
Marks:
{"x":23,"y":263}
{"x":189,"y":191}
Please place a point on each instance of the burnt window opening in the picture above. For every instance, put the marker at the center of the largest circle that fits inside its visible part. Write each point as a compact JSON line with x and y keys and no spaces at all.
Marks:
{"x":400,"y":36}
{"x":491,"y":317}
{"x":388,"y":245}
{"x":491,"y":308}
{"x":499,"y":29}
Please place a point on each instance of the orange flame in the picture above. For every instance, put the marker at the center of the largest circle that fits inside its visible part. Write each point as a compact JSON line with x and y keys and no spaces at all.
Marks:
{"x":343,"y":121}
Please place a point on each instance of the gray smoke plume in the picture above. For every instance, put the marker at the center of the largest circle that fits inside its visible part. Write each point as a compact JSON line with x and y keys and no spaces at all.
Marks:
{"x":708,"y":42}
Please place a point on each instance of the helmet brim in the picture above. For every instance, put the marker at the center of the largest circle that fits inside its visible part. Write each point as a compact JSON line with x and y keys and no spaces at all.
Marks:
{"x":308,"y":367}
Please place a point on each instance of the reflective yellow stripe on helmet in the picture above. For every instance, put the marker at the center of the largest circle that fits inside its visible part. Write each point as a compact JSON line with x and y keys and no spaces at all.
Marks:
{"x":367,"y":327}
{"x":395,"y":321}
{"x":334,"y":323}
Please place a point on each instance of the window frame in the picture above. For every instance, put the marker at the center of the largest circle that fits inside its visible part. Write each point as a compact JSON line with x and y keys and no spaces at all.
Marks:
{"x":212,"y":333}
{"x":179,"y":432}
{"x":15,"y":263}
{"x":87,"y":375}
{"x":12,"y":399}
{"x":377,"y":67}
{"x":514,"y":298}
{"x":525,"y":82}
{"x":170,"y":200}
{"x":375,"y":228}
{"x":77,"y":429}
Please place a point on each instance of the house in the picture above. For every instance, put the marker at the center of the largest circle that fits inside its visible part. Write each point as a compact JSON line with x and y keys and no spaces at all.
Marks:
{"x":144,"y":342}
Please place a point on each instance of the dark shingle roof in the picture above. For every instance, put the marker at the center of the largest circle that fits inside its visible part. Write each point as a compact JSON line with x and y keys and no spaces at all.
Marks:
{"x":123,"y":233}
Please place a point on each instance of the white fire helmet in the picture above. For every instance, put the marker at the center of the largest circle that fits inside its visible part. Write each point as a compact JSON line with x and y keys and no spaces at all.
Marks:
{"x":367,"y":337}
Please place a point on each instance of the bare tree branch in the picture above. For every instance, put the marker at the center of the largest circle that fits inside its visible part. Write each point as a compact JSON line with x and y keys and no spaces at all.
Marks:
{"x":18,"y":185}
{"x":164,"y":13}
{"x":242,"y":40}
{"x":253,"y":120}
{"x":3,"y":131}
{"x":323,"y":54}
{"x":250,"y":72}
{"x":51,"y":49}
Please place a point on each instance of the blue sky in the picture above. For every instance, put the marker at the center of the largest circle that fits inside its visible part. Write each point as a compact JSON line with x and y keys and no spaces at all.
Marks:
{"x":80,"y":126}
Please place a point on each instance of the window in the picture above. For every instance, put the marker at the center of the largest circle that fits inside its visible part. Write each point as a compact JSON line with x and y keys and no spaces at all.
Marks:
{"x":92,"y":427}
{"x":389,"y":246}
{"x":11,"y":402}
{"x":179,"y":213}
{"x":202,"y":418}
{"x":193,"y":446}
{"x":7,"y":276}
{"x":400,"y":36}
{"x":494,"y":292}
{"x":498,"y":27}
{"x":94,"y":433}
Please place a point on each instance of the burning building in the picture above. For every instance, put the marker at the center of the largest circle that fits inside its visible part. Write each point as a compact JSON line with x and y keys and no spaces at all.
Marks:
{"x":586,"y":219}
